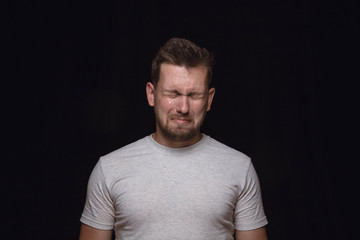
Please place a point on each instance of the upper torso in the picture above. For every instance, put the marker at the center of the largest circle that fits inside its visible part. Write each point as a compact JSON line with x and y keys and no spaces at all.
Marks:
{"x":164,"y":193}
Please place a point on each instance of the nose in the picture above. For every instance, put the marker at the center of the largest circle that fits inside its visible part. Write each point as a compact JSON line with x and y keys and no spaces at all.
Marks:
{"x":182,"y":104}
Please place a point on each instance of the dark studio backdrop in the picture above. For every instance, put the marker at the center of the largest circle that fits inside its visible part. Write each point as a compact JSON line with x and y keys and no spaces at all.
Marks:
{"x":74,"y":90}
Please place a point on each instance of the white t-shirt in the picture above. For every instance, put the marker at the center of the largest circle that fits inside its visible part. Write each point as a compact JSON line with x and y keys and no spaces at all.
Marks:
{"x":148,"y":191}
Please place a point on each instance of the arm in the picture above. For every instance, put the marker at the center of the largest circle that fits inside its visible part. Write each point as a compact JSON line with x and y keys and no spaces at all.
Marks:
{"x":89,"y":233}
{"x":257,"y":234}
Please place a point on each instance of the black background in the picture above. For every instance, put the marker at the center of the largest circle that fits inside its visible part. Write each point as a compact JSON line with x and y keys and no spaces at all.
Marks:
{"x":74,"y":89}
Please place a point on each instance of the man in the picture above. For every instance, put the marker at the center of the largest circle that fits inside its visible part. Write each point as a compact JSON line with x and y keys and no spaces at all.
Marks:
{"x":176,"y":183}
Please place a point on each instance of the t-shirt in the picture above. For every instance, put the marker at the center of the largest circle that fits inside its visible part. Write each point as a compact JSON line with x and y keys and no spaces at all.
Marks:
{"x":148,"y":191}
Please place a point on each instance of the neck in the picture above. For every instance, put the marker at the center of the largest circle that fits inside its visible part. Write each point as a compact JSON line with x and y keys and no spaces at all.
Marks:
{"x":161,"y":139}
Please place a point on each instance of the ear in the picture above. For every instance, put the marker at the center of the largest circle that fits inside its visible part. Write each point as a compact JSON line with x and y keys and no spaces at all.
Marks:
{"x":210,"y":98}
{"x":150,"y":93}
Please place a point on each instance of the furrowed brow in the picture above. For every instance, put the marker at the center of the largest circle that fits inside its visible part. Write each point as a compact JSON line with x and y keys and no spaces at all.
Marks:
{"x":193,"y":93}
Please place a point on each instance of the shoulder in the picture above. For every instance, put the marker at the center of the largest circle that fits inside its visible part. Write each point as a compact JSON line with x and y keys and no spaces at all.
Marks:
{"x":226,"y":158}
{"x":231,"y":164}
{"x":133,"y":150}
{"x":219,"y":148}
{"x":137,"y":146}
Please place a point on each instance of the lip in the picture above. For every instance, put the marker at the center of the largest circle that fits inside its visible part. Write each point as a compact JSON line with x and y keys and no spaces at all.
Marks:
{"x":181,"y":120}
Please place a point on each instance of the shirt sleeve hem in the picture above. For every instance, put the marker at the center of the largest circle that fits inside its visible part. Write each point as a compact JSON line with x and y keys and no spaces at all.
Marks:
{"x":96,"y":224}
{"x":251,"y":226}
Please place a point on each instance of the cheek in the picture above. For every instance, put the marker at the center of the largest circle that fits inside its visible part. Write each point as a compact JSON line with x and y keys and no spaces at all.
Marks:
{"x":165,"y":105}
{"x":171,"y":102}
{"x":199,"y":108}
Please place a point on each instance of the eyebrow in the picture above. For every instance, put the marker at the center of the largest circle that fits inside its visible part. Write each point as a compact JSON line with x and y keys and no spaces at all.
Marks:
{"x":170,"y":91}
{"x":193,"y":95}
{"x":192,"y":92}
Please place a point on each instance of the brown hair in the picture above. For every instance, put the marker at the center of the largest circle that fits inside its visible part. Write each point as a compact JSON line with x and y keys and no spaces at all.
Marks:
{"x":182,"y":52}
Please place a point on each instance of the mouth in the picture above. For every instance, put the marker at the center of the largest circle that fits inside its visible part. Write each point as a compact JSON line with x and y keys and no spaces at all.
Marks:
{"x":181,"y":120}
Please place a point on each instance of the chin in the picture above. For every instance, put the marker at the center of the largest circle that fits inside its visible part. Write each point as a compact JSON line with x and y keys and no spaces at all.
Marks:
{"x":182,"y":135}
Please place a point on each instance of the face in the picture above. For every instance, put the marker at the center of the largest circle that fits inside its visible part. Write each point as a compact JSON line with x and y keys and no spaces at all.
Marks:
{"x":180,"y":100}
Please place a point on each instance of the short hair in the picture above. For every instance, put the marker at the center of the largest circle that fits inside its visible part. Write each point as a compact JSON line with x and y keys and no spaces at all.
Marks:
{"x":182,"y":52}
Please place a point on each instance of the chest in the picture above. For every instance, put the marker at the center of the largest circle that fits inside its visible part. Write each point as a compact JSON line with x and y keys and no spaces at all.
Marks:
{"x":171,"y":192}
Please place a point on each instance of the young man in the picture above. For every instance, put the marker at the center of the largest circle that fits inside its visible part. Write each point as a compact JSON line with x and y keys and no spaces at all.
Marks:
{"x":177,"y":183}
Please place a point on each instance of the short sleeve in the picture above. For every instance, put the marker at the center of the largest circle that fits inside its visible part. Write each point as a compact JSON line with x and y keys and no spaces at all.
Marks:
{"x":99,"y":210}
{"x":249,"y":213}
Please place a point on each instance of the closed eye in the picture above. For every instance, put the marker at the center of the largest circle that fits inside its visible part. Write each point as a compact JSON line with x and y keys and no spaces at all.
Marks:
{"x":175,"y":94}
{"x":171,"y":94}
{"x":196,"y":95}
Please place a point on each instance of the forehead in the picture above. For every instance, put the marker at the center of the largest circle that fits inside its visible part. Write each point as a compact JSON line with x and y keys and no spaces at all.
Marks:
{"x":180,"y":76}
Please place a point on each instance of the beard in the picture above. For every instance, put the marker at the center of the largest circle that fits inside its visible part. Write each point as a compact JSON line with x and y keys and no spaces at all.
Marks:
{"x":179,"y":133}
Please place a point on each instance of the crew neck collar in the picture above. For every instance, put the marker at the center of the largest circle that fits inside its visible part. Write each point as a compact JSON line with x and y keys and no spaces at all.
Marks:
{"x":181,"y":150}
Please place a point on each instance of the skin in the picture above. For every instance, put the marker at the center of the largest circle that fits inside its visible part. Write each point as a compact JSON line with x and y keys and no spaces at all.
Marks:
{"x":257,"y":234}
{"x":180,"y":100}
{"x":90,"y":233}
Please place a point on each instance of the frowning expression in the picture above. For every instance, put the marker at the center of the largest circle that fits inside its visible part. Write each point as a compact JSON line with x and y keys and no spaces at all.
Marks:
{"x":181,"y":100}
